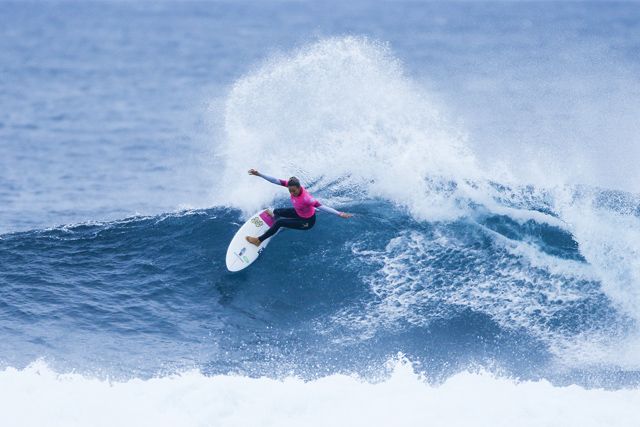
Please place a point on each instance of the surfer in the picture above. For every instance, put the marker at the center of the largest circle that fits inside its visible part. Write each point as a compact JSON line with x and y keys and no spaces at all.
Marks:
{"x":303,"y":214}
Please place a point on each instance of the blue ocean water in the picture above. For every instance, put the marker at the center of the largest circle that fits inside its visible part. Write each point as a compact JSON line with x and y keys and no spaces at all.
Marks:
{"x":488,"y":151}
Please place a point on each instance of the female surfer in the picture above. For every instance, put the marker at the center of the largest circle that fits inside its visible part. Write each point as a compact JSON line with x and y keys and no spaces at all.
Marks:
{"x":303,"y":214}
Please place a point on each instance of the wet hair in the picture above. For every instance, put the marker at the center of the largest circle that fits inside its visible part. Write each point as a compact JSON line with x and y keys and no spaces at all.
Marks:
{"x":293,"y":182}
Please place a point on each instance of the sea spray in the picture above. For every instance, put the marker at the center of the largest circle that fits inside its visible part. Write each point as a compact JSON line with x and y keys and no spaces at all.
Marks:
{"x":342,"y":113}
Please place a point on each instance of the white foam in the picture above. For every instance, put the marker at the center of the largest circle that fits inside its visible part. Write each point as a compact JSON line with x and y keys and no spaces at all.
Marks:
{"x":595,"y":349}
{"x":421,"y":278}
{"x":38,"y":396}
{"x":610,"y":241}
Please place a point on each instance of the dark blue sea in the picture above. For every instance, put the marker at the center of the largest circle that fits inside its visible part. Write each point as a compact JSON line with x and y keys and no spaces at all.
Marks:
{"x":489,"y":152}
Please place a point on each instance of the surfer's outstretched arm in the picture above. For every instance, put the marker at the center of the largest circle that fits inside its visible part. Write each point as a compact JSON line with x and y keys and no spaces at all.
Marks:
{"x":271,"y":179}
{"x":330,"y":210}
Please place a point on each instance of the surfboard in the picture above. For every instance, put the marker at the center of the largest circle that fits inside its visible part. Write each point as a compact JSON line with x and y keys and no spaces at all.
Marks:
{"x":240,"y":253}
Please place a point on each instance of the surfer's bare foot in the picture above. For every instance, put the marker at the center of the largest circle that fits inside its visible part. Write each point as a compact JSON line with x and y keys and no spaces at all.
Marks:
{"x":253,"y":240}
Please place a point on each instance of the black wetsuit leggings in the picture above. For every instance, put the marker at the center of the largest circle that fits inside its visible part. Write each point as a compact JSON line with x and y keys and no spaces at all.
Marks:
{"x":288,"y":218}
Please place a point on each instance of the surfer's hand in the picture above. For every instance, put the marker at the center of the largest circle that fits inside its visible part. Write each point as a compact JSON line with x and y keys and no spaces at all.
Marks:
{"x":254,"y":172}
{"x":345,"y":215}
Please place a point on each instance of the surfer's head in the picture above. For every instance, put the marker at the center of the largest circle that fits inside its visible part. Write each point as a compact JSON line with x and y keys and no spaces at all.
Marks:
{"x":294,"y":186}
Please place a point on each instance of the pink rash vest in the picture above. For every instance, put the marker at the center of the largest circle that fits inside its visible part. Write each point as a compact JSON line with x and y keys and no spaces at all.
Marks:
{"x":304,"y":204}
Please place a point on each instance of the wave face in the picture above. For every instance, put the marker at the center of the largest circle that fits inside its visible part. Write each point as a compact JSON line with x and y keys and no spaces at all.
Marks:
{"x":514,"y":297}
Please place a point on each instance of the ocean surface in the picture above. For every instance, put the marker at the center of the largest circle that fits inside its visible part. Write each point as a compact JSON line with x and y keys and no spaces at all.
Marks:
{"x":489,"y":152}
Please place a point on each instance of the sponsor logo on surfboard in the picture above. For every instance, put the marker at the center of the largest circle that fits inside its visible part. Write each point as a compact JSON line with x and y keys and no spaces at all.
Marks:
{"x":257,"y":222}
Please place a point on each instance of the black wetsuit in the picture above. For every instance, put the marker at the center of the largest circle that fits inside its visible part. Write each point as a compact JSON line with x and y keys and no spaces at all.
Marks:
{"x":288,"y":218}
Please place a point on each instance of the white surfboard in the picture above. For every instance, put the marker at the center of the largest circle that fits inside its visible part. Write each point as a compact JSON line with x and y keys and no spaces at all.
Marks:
{"x":240,"y":253}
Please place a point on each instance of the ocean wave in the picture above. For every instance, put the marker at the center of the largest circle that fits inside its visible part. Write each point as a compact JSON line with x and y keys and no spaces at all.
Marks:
{"x":487,"y":290}
{"x":446,"y":259}
{"x":342,"y":114}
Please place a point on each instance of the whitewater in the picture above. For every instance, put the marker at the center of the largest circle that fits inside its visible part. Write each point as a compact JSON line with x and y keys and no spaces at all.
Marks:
{"x":41,"y":396}
{"x":490,"y":274}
